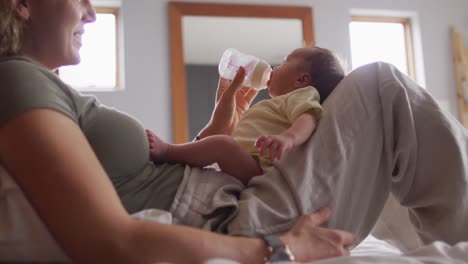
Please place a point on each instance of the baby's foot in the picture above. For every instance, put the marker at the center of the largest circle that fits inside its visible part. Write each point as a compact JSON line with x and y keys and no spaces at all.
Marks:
{"x":158,"y":147}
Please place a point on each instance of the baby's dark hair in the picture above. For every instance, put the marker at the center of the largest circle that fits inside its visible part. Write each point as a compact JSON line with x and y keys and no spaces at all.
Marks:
{"x":326,"y":71}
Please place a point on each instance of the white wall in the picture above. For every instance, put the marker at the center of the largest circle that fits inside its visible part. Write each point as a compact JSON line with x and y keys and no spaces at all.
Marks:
{"x":146,"y":42}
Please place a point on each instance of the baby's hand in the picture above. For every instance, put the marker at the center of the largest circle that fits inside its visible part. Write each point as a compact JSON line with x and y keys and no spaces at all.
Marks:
{"x":275,"y":146}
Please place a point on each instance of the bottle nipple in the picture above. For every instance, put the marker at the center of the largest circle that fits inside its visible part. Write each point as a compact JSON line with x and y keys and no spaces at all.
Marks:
{"x":261,"y":75}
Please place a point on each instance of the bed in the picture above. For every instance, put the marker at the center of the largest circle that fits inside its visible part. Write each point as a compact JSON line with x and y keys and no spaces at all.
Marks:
{"x":373,"y":249}
{"x":23,"y":236}
{"x":391,"y":226}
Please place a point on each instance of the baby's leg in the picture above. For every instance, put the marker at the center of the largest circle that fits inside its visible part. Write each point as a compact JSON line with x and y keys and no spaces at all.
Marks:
{"x":220,"y":149}
{"x":158,"y":147}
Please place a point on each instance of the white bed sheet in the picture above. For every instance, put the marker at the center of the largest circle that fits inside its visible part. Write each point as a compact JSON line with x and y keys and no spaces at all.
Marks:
{"x":371,"y":250}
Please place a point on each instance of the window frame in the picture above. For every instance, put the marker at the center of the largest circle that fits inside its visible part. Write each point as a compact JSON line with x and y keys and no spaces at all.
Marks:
{"x":116,"y":12}
{"x":407,"y":26}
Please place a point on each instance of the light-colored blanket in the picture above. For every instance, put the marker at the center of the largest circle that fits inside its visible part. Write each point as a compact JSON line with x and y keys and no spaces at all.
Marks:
{"x":23,"y":235}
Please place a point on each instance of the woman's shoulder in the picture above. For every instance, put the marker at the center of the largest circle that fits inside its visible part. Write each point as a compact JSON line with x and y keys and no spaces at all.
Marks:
{"x":20,"y":73}
{"x":27,"y":85}
{"x":15,"y":63}
{"x":18,"y":70}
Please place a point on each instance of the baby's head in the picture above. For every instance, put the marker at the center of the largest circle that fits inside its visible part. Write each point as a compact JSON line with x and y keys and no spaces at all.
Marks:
{"x":315,"y":66}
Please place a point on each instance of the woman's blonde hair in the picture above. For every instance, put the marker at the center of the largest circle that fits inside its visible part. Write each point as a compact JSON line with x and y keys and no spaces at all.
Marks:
{"x":11,"y":27}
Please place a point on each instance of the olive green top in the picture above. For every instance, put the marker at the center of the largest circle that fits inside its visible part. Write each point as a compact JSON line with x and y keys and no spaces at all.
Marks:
{"x":118,"y":139}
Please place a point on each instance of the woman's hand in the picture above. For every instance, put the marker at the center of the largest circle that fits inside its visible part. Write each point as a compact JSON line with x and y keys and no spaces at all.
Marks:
{"x":308,"y":241}
{"x":232,"y":100}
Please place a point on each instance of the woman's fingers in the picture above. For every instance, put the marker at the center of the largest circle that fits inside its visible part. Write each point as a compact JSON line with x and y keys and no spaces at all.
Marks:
{"x":223,"y":84}
{"x":236,"y":82}
{"x":244,"y":91}
{"x":251,"y":94}
{"x":320,"y":217}
{"x":239,"y":78}
{"x":348,"y":238}
{"x":248,"y":94}
{"x":336,"y":236}
{"x":340,"y":237}
{"x":309,"y":241}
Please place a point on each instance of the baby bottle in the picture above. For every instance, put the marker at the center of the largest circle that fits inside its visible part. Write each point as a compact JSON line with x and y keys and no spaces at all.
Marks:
{"x":257,"y":72}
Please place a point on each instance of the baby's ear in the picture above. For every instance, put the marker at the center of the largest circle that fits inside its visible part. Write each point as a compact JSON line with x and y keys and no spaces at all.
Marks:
{"x":303,"y":80}
{"x":22,"y":9}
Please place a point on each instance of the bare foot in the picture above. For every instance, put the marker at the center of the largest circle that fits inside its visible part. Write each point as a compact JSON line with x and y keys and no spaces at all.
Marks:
{"x":158,"y":148}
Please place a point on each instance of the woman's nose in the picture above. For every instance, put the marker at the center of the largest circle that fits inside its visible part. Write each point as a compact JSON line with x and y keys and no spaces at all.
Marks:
{"x":89,"y":14}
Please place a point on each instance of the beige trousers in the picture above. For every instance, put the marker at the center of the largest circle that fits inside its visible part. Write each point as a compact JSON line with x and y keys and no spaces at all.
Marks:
{"x":380,"y":133}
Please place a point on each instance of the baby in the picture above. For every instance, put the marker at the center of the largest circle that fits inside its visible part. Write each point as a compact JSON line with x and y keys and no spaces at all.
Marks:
{"x":270,"y":128}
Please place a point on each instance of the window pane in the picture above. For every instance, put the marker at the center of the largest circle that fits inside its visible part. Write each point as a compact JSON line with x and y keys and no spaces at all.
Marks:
{"x":378,"y":41}
{"x":98,"y":67}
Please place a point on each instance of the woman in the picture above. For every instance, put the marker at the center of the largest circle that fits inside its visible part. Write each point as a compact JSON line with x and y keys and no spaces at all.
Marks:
{"x":62,"y":138}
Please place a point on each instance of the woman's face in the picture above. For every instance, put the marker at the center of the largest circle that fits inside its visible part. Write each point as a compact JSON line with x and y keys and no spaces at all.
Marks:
{"x":53,"y":34}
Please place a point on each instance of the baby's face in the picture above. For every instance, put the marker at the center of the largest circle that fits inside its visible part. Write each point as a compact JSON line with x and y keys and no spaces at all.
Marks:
{"x":283,"y":78}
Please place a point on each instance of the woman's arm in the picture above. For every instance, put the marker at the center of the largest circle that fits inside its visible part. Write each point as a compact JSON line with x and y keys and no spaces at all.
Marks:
{"x":50,"y":158}
{"x":232,"y":100}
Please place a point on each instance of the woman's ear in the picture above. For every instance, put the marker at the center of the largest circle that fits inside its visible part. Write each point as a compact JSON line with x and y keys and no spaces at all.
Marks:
{"x":303,"y":80}
{"x":22,"y":9}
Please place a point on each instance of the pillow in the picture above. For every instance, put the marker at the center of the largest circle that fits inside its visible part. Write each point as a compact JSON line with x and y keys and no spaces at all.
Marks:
{"x":23,"y":235}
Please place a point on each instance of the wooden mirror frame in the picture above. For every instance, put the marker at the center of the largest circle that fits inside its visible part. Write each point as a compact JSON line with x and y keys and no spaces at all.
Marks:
{"x":177,"y":10}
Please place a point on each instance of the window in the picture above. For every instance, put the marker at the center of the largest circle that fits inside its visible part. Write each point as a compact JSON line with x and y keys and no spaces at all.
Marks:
{"x":99,"y":66}
{"x":382,"y":39}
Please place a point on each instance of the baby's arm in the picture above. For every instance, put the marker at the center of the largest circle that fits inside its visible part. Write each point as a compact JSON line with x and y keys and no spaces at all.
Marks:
{"x":302,"y":128}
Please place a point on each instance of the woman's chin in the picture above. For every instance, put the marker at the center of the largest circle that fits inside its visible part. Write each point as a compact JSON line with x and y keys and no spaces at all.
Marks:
{"x":74,"y":59}
{"x":73,"y":54}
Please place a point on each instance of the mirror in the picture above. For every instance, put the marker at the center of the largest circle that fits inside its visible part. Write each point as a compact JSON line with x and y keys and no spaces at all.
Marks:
{"x":199,"y":33}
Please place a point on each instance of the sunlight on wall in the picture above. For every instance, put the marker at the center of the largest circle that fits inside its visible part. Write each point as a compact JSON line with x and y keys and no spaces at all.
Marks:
{"x":98,"y":68}
{"x":375,"y":41}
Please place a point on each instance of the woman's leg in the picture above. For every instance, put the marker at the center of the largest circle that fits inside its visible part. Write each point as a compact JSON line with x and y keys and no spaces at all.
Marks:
{"x":428,"y":154}
{"x":381,"y":133}
{"x":423,"y":158}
